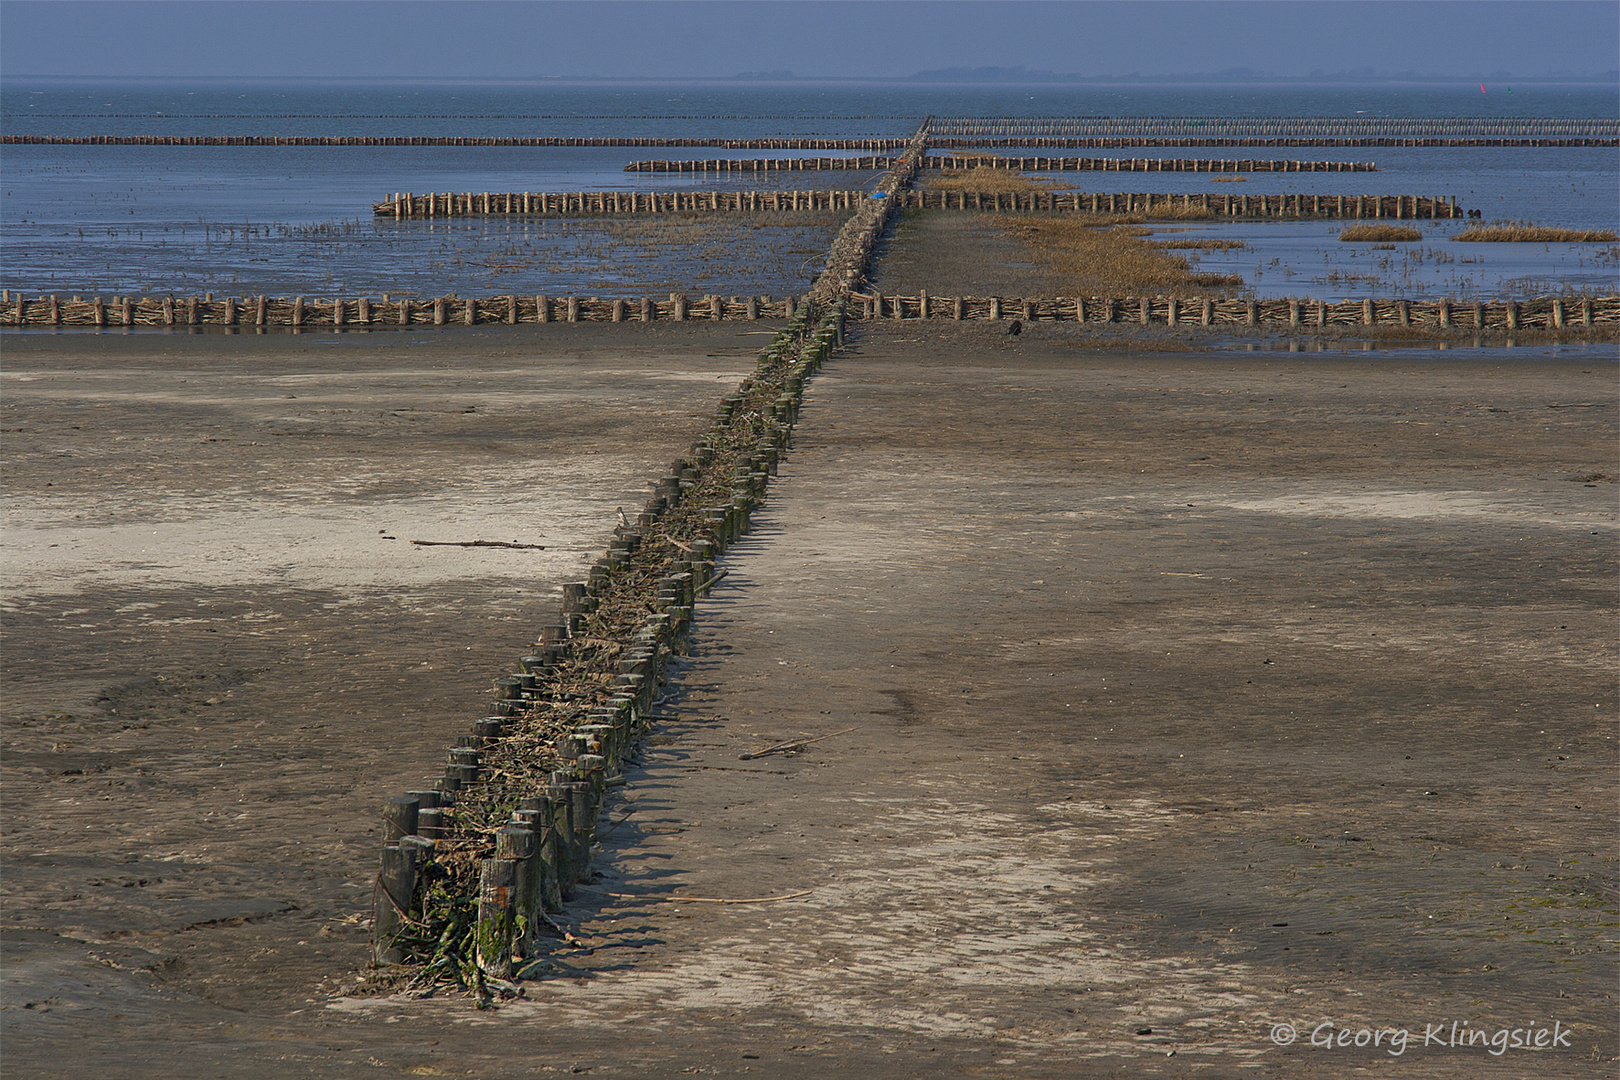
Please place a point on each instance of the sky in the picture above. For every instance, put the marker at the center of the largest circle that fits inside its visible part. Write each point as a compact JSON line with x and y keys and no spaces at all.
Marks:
{"x":679,"y":39}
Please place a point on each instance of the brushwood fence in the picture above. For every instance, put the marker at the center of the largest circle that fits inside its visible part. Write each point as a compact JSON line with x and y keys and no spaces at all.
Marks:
{"x":409,"y":206}
{"x":1063,"y":142}
{"x":406,"y":206}
{"x":876,"y":144}
{"x":1544,"y":312}
{"x":848,"y":264}
{"x":996,"y":161}
{"x":300,"y":312}
{"x":1279,"y":127}
{"x":1190,"y":205}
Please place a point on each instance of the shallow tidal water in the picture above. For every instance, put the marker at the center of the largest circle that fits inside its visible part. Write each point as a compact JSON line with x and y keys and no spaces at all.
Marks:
{"x":115,"y":220}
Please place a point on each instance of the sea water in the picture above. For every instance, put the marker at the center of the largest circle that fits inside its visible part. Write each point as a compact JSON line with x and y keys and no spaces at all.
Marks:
{"x":297,"y":220}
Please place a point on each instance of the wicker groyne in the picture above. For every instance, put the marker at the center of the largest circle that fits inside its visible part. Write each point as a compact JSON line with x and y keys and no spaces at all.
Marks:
{"x":299,"y":312}
{"x":1206,"y":205}
{"x":1542,"y":312}
{"x":785,"y":143}
{"x":992,"y":161}
{"x":310,"y":313}
{"x":1277,"y":127}
{"x":1119,"y":142}
{"x":406,"y":205}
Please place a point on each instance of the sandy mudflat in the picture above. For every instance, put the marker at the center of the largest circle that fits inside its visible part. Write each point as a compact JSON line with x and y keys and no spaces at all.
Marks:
{"x":1192,"y":693}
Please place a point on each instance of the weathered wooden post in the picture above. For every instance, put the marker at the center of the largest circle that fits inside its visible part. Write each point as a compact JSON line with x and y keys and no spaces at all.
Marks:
{"x":399,"y":818}
{"x":573,"y":309}
{"x":438,"y":311}
{"x":515,"y":843}
{"x":497,"y":887}
{"x":472,"y":311}
{"x":542,"y":308}
{"x":391,"y":901}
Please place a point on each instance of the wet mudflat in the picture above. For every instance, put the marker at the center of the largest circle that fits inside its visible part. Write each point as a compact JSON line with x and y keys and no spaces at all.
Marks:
{"x":1193,"y":695}
{"x":223,"y":651}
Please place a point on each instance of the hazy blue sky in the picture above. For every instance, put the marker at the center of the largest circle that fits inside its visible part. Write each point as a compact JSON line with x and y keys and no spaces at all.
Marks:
{"x":679,"y":39}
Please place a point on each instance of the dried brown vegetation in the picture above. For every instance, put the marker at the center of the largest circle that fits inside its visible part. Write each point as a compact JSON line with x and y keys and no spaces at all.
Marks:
{"x":1206,"y":244}
{"x":1380,"y":233}
{"x":988,"y":180}
{"x":1111,"y":260}
{"x":1229,"y":179}
{"x":1535,"y":234}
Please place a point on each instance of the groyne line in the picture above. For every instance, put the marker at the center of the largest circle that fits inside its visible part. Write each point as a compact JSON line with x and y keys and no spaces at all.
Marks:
{"x":301,"y":313}
{"x":1544,"y":312}
{"x":1262,"y":127}
{"x":788,"y":143}
{"x":994,"y":161}
{"x":1292,"y":206}
{"x":473,"y":863}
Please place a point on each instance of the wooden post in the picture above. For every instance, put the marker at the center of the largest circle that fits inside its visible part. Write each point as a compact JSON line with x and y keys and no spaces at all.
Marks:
{"x":364,"y":314}
{"x":1512,"y":314}
{"x":1366,"y":312}
{"x":1206,"y":317}
{"x":1556,"y":317}
{"x":391,"y":901}
{"x":101,"y":312}
{"x":1146,"y":310}
{"x":573,"y":309}
{"x":404,"y":311}
{"x":512,"y":310}
{"x":516,"y":844}
{"x":1293,"y":312}
{"x":337,"y":312}
{"x":1172,"y":311}
{"x":542,"y":309}
{"x":647,"y":309}
{"x":168,"y":311}
{"x":1251,"y":313}
{"x":922,"y":303}
{"x":298,"y":311}
{"x":497,"y":886}
{"x":616,"y":311}
{"x":399,"y":818}
{"x":128,"y":313}
{"x":472,"y":311}
{"x":995,"y":307}
{"x":958,"y":309}
{"x":438,"y":311}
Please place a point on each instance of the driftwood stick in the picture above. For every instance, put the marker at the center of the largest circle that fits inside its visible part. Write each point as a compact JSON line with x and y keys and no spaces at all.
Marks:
{"x":478,"y":543}
{"x":793,"y":745}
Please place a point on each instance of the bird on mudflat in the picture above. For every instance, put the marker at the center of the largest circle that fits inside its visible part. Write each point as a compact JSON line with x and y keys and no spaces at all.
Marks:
{"x":1016,"y":328}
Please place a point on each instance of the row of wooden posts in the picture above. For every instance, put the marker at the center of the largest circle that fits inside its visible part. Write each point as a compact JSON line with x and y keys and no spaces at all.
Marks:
{"x":529,"y":867}
{"x":1295,"y":206}
{"x":408,"y":206}
{"x":534,"y":861}
{"x":997,"y":161}
{"x":1549,"y":312}
{"x":363,"y":313}
{"x":1453,"y":127}
{"x":1192,"y":205}
{"x":780,"y":143}
{"x":1067,"y":142}
{"x":1091,"y":142}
